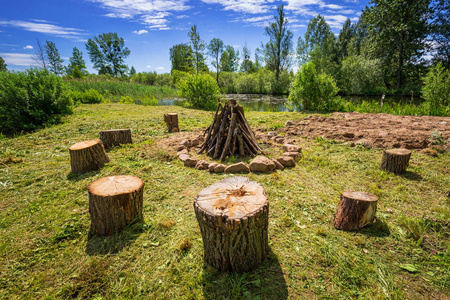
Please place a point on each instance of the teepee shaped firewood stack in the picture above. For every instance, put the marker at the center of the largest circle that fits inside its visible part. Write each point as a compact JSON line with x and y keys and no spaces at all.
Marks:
{"x":229,"y":134}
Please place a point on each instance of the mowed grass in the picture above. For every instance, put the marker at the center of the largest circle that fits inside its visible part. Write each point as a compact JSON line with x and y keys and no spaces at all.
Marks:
{"x":48,"y":252}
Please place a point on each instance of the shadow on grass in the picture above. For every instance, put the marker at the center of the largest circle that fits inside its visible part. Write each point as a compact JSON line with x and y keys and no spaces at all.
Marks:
{"x":378,"y":229}
{"x":265,"y":282}
{"x":77,"y":177}
{"x":101,"y":245}
{"x":411,"y":176}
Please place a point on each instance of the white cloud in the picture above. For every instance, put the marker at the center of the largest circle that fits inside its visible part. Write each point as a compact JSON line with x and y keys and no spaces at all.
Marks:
{"x":148,"y":66}
{"x":140,"y":31}
{"x":44,"y":27}
{"x":337,"y":21}
{"x":160,"y":68}
{"x":28,"y":47}
{"x":18,"y":59}
{"x":261,"y":21}
{"x":250,"y":7}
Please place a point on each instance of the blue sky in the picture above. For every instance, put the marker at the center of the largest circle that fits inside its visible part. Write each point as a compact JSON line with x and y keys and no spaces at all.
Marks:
{"x":151,"y":27}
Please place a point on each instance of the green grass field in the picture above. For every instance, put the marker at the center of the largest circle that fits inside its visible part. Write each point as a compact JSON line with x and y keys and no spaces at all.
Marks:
{"x":47,"y":251}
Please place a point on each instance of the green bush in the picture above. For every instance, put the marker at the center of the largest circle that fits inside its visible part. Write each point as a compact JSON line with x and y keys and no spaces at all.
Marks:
{"x":92,"y":96}
{"x":200,"y":91}
{"x":313,"y":91}
{"x":126,"y":100}
{"x":31,"y":99}
{"x":359,"y":75}
{"x":436,"y":90}
{"x":150,"y":101}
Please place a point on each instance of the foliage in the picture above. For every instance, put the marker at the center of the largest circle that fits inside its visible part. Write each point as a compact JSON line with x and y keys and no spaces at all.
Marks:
{"x":31,"y":99}
{"x":3,"y":65}
{"x":215,"y":50}
{"x":107,"y":52}
{"x":436,"y":90}
{"x":200,"y":91}
{"x":132,"y":71}
{"x":437,"y":138}
{"x":149,"y":101}
{"x":345,"y":39}
{"x":198,"y":46}
{"x":182,"y":58}
{"x":229,"y":60}
{"x":314,"y":91}
{"x":247,"y":63}
{"x":54,"y":59}
{"x":126,"y":100}
{"x":39,"y":55}
{"x":360,"y":75}
{"x":440,"y":32}
{"x":91,"y":96}
{"x":148,"y":78}
{"x":279,"y":48}
{"x":77,"y":65}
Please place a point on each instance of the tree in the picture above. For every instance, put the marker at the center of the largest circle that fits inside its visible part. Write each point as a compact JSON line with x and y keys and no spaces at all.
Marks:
{"x":54,"y":59}
{"x":132,"y":71}
{"x":440,"y":32}
{"x":279,"y":48}
{"x":2,"y":65}
{"x":77,"y":65}
{"x":345,"y":38}
{"x":182,"y":58}
{"x":215,"y":49}
{"x":247,"y":63}
{"x":229,"y":59}
{"x":198,"y":46}
{"x":107,"y":52}
{"x":397,"y":32}
{"x":39,"y":55}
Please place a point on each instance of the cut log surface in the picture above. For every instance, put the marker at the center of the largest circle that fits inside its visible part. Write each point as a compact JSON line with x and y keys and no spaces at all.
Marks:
{"x":233,"y":216}
{"x":355,"y":210}
{"x":115,"y":137}
{"x":87,"y":156}
{"x":115,"y":202}
{"x":171,"y":120}
{"x":395,"y":160}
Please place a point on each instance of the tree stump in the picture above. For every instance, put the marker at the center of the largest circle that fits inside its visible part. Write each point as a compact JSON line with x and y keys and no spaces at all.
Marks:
{"x":355,"y":210}
{"x":395,"y":160}
{"x":115,"y":202}
{"x":115,"y":137}
{"x":171,"y":120}
{"x":87,"y":156}
{"x":233,"y":215}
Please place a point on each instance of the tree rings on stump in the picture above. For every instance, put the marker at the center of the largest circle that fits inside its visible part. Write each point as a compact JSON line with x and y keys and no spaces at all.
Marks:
{"x":87,"y":156}
{"x":115,"y":137}
{"x":115,"y":202}
{"x":395,"y":160}
{"x":233,"y":215}
{"x":171,"y":120}
{"x":355,"y":210}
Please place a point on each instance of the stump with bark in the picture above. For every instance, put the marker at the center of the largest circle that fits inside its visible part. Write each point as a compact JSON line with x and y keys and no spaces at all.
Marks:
{"x":115,"y":137}
{"x":229,"y":134}
{"x":171,"y":120}
{"x":395,"y":160}
{"x":115,"y":202}
{"x":87,"y":156}
{"x":355,"y":210}
{"x":233,"y":216}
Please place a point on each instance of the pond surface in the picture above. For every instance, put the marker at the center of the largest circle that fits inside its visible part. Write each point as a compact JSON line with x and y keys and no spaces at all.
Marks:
{"x":261,"y":102}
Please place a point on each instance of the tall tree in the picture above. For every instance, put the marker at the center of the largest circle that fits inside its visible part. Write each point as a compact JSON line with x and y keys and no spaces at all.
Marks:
{"x":132,"y":71}
{"x":54,"y":59}
{"x":39,"y":55}
{"x":279,"y":48}
{"x":2,"y":65}
{"x":229,"y":59}
{"x":77,"y":65}
{"x":215,"y":49}
{"x":345,"y":39}
{"x":182,"y":57}
{"x":440,"y":32}
{"x":397,"y":32}
{"x":198,"y":46}
{"x":107,"y":52}
{"x":247,"y":63}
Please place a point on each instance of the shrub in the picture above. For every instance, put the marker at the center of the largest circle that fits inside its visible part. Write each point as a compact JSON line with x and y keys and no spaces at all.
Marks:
{"x":31,"y":99}
{"x":436,"y":90}
{"x":126,"y":100}
{"x":360,"y":75}
{"x":150,"y":101}
{"x":200,"y":91}
{"x":92,"y":96}
{"x":313,"y":91}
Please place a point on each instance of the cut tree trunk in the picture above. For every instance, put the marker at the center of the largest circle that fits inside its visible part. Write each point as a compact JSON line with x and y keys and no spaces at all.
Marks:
{"x":87,"y":156}
{"x":115,"y":202}
{"x":233,"y":215}
{"x":355,"y":210}
{"x":115,"y":137}
{"x":171,"y":120}
{"x":395,"y":160}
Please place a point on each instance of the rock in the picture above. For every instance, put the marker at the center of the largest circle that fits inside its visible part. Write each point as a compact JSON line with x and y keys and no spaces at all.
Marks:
{"x":183,"y":157}
{"x":294,"y":155}
{"x":279,"y":139}
{"x":180,"y":147}
{"x":348,"y":135}
{"x":202,"y":165}
{"x":184,"y":143}
{"x":236,"y":168}
{"x":193,"y":143}
{"x":365,"y":142}
{"x":430,"y":152}
{"x":183,"y":151}
{"x":277,"y":164}
{"x":272,"y":133}
{"x":262,"y":164}
{"x":220,"y":168}
{"x":190,"y":162}
{"x":286,"y":161}
{"x":291,"y":148}
{"x":211,"y":166}
{"x":288,"y":123}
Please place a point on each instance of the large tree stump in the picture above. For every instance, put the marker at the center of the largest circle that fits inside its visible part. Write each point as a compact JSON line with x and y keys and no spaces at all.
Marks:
{"x":115,"y":137}
{"x":171,"y":120}
{"x":355,"y":210}
{"x":395,"y":160}
{"x":87,"y":156}
{"x":115,"y":202}
{"x":233,"y":216}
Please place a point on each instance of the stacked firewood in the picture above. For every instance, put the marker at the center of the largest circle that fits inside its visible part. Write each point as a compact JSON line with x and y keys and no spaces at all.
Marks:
{"x":229,"y":134}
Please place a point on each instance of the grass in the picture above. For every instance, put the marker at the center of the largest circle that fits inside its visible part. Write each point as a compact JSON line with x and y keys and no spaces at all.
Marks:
{"x":48,"y":252}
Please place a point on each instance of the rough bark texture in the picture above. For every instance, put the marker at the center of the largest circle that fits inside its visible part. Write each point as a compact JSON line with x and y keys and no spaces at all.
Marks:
{"x":87,"y":156}
{"x":395,"y":160}
{"x":355,"y":210}
{"x":115,"y":202}
{"x":115,"y":137}
{"x":171,"y":120}
{"x":233,"y":215}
